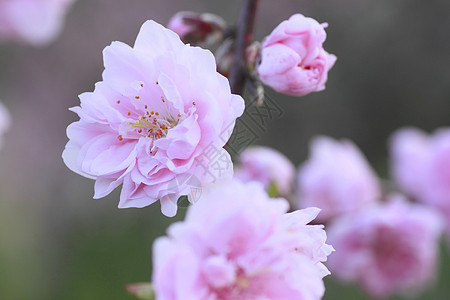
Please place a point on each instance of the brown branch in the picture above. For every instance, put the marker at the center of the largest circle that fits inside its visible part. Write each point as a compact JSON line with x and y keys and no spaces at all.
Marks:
{"x":244,"y":37}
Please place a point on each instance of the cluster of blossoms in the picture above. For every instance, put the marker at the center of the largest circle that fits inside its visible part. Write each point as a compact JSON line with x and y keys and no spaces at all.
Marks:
{"x":163,"y":109}
{"x":150,"y":123}
{"x":375,"y":241}
{"x":162,"y":106}
{"x":160,"y":109}
{"x":375,"y":235}
{"x":35,"y":22}
{"x":237,"y":243}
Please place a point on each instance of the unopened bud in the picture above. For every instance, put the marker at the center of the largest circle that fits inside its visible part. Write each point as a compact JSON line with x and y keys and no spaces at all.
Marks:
{"x":197,"y":28}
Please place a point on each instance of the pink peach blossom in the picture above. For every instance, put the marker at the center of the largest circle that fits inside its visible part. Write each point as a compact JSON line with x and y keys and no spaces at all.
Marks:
{"x":421,"y":166}
{"x":267,"y":166}
{"x":36,"y":22}
{"x":336,"y":178}
{"x":160,"y":115}
{"x":387,"y":248}
{"x":293,"y":59}
{"x":237,"y":243}
{"x":5,"y":121}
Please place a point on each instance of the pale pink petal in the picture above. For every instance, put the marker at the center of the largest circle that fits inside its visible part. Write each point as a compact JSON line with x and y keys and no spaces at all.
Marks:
{"x":278,"y":59}
{"x":155,"y":39}
{"x":168,"y":207}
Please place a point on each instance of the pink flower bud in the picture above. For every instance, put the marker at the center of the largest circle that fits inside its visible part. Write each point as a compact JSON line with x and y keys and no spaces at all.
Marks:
{"x":421,"y":166}
{"x":36,"y":22}
{"x":293,"y":60}
{"x":336,"y":178}
{"x":197,"y":28}
{"x":387,"y":249}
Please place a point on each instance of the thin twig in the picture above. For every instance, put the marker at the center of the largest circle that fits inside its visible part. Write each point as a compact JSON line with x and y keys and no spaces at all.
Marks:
{"x":244,"y":37}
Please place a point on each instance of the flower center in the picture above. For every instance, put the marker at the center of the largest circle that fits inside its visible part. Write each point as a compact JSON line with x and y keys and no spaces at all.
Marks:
{"x":145,"y":122}
{"x":152,"y":125}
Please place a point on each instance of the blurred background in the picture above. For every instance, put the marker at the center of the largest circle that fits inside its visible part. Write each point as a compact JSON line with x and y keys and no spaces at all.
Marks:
{"x":58,"y":243}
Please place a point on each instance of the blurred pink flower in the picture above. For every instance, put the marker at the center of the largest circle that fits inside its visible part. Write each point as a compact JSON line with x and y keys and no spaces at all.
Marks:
{"x":178,"y":24}
{"x":5,"y":121}
{"x":267,"y":166}
{"x":387,"y":249}
{"x":421,"y":166}
{"x":158,"y":117}
{"x":36,"y":22}
{"x":197,"y":28}
{"x":237,"y":243}
{"x":336,"y":178}
{"x":293,"y":60}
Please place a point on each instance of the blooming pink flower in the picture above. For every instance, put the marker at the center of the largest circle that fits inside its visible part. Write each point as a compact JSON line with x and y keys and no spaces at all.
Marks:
{"x":267,"y":166}
{"x":293,"y":60}
{"x":5,"y":121}
{"x":237,"y":243}
{"x":336,"y":178}
{"x":421,"y":166}
{"x":159,"y":116}
{"x":387,"y":249}
{"x":36,"y":22}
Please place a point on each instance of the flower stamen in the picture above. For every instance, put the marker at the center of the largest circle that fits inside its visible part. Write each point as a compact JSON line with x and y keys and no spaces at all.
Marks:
{"x":155,"y":127}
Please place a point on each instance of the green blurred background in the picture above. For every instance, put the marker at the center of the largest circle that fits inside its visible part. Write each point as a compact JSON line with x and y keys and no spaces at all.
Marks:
{"x":58,"y":243}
